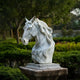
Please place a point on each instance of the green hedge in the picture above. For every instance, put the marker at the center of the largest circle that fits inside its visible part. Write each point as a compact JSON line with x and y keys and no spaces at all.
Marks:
{"x":67,"y":46}
{"x":67,"y":39}
{"x":11,"y":46}
{"x":70,"y":60}
{"x":12,"y":54}
{"x":15,"y":55}
{"x":7,"y":73}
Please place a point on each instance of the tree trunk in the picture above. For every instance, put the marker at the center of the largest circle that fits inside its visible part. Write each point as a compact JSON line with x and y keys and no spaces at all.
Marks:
{"x":18,"y":24}
{"x":17,"y":36}
{"x":4,"y":35}
{"x":11,"y":29}
{"x":11,"y":33}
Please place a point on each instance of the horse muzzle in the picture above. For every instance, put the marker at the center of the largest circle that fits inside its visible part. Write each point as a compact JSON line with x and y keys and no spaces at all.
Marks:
{"x":24,"y":41}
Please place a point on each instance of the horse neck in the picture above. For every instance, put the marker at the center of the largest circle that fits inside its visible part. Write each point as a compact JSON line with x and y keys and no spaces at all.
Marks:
{"x":41,"y":40}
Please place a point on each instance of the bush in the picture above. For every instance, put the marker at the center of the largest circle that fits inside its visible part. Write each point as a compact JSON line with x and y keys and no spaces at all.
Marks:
{"x":67,"y":39}
{"x":12,"y":53}
{"x":15,"y":57}
{"x":67,"y":46}
{"x":30,"y":45}
{"x":70,"y":60}
{"x":77,"y":39}
{"x":10,"y":40}
{"x":11,"y":44}
{"x":7,"y":73}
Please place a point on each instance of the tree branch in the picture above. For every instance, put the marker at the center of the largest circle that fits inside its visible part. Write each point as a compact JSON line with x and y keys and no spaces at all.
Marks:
{"x":20,"y":23}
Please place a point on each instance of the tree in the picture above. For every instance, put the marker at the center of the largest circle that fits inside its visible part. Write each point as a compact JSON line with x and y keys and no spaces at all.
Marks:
{"x":14,"y":11}
{"x":75,"y":21}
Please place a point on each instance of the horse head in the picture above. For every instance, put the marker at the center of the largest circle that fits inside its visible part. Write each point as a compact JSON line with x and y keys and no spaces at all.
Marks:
{"x":30,"y":30}
{"x":42,"y":51}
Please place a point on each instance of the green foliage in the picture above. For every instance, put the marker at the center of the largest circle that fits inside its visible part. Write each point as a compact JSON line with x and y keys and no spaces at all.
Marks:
{"x":12,"y":11}
{"x":30,"y":45}
{"x":66,"y":33}
{"x":77,"y":39}
{"x":67,"y":54}
{"x":70,"y":60}
{"x":15,"y":57}
{"x":7,"y":73}
{"x":10,"y":40}
{"x":67,"y":46}
{"x":70,"y":32}
{"x":11,"y":53}
{"x":61,"y":11}
{"x":67,"y":39}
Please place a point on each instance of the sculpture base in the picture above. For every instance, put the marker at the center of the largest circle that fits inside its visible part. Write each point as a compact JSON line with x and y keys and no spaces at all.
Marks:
{"x":42,"y":66}
{"x":45,"y":71}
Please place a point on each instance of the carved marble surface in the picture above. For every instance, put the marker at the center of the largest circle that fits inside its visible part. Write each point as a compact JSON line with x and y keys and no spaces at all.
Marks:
{"x":43,"y":50}
{"x":43,"y":66}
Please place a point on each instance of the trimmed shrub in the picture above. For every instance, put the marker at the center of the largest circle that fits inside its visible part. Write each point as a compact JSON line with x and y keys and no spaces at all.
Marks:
{"x":30,"y":45}
{"x":15,"y":57}
{"x":77,"y":39}
{"x":67,"y":46}
{"x":70,"y":60}
{"x":67,"y":39}
{"x":7,"y":73}
{"x":11,"y":53}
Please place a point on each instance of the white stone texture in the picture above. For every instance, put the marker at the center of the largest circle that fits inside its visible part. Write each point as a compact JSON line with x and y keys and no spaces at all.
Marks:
{"x":43,"y":66}
{"x":43,"y":50}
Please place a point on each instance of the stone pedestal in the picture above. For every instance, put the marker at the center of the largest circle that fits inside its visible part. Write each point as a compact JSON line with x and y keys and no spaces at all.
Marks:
{"x":45,"y":71}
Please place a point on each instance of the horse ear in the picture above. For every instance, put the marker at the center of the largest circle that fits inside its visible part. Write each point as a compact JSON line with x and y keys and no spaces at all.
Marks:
{"x":26,"y":19}
{"x":33,"y":19}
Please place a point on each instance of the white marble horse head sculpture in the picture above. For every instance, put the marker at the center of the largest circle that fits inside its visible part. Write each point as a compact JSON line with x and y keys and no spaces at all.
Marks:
{"x":43,"y":50}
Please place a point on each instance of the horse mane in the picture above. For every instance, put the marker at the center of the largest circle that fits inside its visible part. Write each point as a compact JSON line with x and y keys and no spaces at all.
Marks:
{"x":45,"y":30}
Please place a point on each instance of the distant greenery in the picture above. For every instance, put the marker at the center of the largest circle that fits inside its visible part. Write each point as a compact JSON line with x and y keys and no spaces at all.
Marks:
{"x":66,"y":46}
{"x":67,"y":39}
{"x":12,"y":13}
